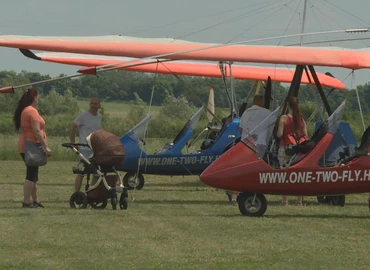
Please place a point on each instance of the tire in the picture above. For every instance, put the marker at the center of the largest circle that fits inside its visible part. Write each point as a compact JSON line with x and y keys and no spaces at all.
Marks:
{"x":339,"y":200}
{"x":132,"y":182}
{"x":78,"y":200}
{"x":248,"y":208}
{"x":123,"y":201}
{"x":114,"y":202}
{"x":324,"y":199}
{"x":99,"y":205}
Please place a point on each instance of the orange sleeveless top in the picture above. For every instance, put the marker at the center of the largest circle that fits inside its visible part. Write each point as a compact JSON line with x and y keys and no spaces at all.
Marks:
{"x":290,"y":137}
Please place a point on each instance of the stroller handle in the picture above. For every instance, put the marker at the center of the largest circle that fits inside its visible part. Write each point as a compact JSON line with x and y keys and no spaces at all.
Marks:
{"x":71,"y":145}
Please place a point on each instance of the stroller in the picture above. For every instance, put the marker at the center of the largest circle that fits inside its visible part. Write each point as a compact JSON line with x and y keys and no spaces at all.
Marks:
{"x":108,"y":152}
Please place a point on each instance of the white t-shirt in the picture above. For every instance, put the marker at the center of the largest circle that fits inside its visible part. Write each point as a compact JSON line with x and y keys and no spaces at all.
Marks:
{"x":252,"y":117}
{"x":87,"y":124}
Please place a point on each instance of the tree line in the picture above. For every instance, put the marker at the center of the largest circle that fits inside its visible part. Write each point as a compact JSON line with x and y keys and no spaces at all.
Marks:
{"x":179,"y":96}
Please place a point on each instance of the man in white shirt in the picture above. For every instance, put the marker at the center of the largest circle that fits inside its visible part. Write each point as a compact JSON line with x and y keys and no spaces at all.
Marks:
{"x":251,"y":118}
{"x":86,"y":122}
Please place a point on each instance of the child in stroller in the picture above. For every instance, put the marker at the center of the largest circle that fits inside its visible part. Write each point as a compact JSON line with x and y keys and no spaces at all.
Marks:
{"x":108,"y":152}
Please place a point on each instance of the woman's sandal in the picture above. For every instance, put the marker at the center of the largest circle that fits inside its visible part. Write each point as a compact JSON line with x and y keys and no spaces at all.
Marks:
{"x":299,"y":204}
{"x":284,"y":203}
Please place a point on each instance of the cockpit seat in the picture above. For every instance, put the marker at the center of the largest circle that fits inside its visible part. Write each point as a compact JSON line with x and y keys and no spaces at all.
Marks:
{"x":351,"y":152}
{"x":206,"y":144}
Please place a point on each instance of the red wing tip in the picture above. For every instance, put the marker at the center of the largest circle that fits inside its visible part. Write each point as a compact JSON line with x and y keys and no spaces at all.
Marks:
{"x":87,"y":70}
{"x":8,"y":89}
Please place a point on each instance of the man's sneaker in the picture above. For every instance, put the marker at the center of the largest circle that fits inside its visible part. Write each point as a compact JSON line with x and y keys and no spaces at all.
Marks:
{"x":38,"y":205}
{"x":28,"y":205}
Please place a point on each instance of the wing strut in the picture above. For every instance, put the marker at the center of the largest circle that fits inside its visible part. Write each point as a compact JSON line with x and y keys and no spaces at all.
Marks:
{"x":321,"y":91}
{"x":294,"y":86}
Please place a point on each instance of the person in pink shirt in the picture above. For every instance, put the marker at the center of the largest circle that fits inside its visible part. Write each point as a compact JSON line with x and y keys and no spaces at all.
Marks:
{"x":31,"y":127}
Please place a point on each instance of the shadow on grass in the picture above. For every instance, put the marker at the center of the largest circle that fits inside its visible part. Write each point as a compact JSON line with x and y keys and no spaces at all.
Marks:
{"x":311,"y":203}
{"x":325,"y":216}
{"x":181,"y":184}
{"x":39,"y":184}
{"x":177,"y":202}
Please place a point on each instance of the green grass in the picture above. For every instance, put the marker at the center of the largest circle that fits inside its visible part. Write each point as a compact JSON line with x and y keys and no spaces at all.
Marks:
{"x":174,"y":223}
{"x":114,"y":108}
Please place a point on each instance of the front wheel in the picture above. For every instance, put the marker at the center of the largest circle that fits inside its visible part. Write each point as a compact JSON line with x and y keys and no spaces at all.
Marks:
{"x":100,"y":204}
{"x":123,"y":200}
{"x":113,"y":201}
{"x":253,"y":205}
{"x":131,"y":180}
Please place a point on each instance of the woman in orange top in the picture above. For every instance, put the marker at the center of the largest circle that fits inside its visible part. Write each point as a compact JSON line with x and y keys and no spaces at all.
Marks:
{"x":292,"y":130}
{"x":31,"y":127}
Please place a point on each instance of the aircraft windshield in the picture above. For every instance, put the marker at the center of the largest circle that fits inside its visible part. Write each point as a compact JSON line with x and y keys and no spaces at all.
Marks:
{"x":334,"y":119}
{"x":193,"y":121}
{"x":137,"y":133}
{"x":259,"y":137}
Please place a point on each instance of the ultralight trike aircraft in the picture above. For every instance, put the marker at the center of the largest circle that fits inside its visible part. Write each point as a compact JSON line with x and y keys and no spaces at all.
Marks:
{"x":171,"y":159}
{"x":242,"y":166}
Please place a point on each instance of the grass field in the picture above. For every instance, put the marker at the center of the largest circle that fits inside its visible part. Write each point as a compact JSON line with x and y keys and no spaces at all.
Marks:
{"x":174,"y":223}
{"x":114,"y":108}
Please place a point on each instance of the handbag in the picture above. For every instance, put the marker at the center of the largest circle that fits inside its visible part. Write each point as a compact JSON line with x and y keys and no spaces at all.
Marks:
{"x":34,"y":154}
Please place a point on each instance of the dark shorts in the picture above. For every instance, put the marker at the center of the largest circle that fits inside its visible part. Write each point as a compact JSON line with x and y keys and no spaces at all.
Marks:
{"x":32,"y":173}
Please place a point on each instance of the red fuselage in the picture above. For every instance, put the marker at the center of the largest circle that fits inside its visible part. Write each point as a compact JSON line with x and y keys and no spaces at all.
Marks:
{"x":240,"y":169}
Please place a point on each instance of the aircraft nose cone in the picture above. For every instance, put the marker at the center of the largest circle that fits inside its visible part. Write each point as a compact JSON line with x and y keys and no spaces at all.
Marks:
{"x":229,"y":169}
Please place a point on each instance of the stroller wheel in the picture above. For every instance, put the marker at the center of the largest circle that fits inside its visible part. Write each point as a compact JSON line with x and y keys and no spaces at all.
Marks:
{"x":131,"y":181}
{"x":114,"y":202}
{"x":123,"y":201}
{"x":78,"y":200}
{"x":99,"y":205}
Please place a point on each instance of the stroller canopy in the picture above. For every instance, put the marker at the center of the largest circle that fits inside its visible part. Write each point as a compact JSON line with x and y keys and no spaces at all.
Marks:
{"x":107,"y":148}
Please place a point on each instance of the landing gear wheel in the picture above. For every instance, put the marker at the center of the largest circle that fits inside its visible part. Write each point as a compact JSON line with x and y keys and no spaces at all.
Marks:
{"x":123,"y":200}
{"x":253,"y":205}
{"x":339,"y":200}
{"x":99,"y":205}
{"x":113,"y":201}
{"x":324,"y":199}
{"x":78,"y":200}
{"x":132,"y":182}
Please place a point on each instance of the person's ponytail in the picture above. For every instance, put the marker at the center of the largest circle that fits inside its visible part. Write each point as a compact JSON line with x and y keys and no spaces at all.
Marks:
{"x":297,"y":119}
{"x":26,"y":100}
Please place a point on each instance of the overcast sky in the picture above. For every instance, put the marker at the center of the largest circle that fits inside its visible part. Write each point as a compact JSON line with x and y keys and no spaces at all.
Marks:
{"x":195,"y":20}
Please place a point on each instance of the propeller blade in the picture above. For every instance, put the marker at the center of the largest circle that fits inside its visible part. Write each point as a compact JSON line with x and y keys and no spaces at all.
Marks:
{"x":211,"y":104}
{"x":268,"y":92}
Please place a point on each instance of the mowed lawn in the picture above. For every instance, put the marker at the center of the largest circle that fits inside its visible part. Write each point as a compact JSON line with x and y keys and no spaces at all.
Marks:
{"x":174,"y":223}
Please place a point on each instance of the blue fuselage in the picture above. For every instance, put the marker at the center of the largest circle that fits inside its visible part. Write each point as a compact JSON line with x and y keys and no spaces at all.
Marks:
{"x":173,"y":161}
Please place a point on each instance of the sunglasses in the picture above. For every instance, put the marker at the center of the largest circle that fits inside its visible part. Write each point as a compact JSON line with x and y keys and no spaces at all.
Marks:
{"x":94,"y":103}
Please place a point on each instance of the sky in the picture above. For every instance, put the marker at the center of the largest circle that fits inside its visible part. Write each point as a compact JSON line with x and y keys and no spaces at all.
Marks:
{"x":212,"y":21}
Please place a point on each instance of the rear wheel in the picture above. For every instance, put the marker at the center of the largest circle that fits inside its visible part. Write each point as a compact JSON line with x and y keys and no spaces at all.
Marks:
{"x":132,"y":180}
{"x":324,"y":199}
{"x":253,"y":205}
{"x":339,"y":200}
{"x":78,"y":200}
